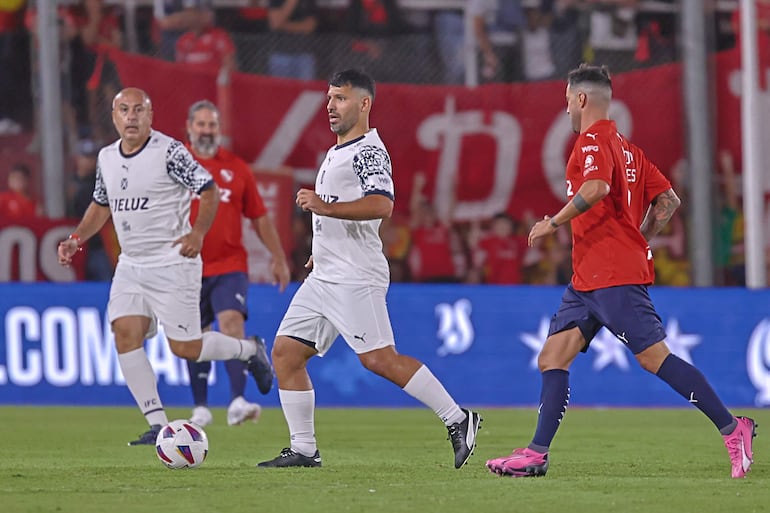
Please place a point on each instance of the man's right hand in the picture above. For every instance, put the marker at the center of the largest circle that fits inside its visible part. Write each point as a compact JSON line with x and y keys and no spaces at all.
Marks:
{"x":66,"y":250}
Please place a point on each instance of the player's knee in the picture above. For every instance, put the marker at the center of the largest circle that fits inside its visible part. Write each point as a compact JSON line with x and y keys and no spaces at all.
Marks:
{"x":185,"y":350}
{"x":287,"y":354}
{"x":652,"y":358}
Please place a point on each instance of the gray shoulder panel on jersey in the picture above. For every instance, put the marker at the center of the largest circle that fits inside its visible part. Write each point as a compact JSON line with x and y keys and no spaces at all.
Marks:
{"x":206,"y":186}
{"x":372,"y":166}
{"x":184,"y":169}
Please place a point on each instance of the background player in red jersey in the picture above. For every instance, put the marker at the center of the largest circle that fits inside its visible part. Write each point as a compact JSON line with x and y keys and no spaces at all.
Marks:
{"x":611,"y":261}
{"x":225,"y":267}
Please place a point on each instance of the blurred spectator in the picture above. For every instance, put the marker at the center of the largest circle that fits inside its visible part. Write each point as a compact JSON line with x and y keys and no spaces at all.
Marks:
{"x":67,"y":32}
{"x":449,"y":31}
{"x":250,"y":19}
{"x":729,"y":253}
{"x":500,"y":253}
{"x":657,"y":36}
{"x":80,"y":193}
{"x":613,"y":34}
{"x":95,"y":80}
{"x":566,"y":39}
{"x":672,"y":267}
{"x":396,"y":241}
{"x":11,"y":15}
{"x":302,"y":236}
{"x":175,"y":17}
{"x":537,"y":60}
{"x":497,"y":26}
{"x":291,"y":22}
{"x":373,"y":23}
{"x":206,"y":47}
{"x":17,"y":202}
{"x":431,"y":253}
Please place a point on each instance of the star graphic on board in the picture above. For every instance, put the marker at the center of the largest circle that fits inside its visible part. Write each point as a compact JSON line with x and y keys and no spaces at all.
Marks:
{"x":609,"y":350}
{"x":680,"y":343}
{"x":535,"y":341}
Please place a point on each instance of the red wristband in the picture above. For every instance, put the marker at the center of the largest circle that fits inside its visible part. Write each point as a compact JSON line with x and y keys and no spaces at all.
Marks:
{"x":77,"y":239}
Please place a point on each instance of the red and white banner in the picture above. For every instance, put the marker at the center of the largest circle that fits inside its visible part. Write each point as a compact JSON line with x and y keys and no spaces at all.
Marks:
{"x":498,"y":147}
{"x":28,"y":251}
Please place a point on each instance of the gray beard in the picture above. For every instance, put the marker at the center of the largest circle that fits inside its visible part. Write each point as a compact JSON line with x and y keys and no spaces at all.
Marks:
{"x":207,"y":147}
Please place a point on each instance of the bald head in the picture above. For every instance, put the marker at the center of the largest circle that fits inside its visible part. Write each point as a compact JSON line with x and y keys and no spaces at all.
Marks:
{"x":132,"y":117}
{"x":132,"y":94}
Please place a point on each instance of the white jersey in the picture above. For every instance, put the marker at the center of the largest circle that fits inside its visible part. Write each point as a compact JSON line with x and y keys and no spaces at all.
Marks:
{"x":346,"y":251}
{"x":149,"y":195}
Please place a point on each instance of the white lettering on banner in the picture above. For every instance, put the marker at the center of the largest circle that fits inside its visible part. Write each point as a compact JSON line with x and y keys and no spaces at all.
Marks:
{"x":758,"y":362}
{"x":557,"y":139}
{"x":455,"y":327}
{"x":32,"y":252}
{"x":75,"y":346}
{"x":59,"y":346}
{"x":20,"y":323}
{"x":609,"y":350}
{"x":277,"y":150}
{"x":18,"y":237}
{"x":445,"y":131}
{"x":98,"y":360}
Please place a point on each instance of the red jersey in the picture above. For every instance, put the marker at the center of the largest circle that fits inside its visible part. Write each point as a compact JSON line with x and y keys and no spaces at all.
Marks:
{"x":607,"y":247}
{"x":206,"y":50}
{"x":645,"y":180}
{"x":431,"y":254}
{"x":16,"y":206}
{"x":503,"y":258}
{"x":223,"y":250}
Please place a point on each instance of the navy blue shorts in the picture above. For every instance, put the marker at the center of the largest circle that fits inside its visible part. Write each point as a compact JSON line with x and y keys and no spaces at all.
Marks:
{"x":223,"y":292}
{"x":625,"y":310}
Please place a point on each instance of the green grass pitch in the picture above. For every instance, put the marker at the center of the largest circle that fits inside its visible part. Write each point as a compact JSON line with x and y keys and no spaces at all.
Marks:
{"x":378,"y":460}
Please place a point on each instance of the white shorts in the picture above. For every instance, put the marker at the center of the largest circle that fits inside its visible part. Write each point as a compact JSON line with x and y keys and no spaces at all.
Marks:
{"x":169,"y":294}
{"x":320,"y":311}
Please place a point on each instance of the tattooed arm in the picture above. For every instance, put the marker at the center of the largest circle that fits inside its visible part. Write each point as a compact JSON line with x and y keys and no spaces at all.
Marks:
{"x":660,"y":212}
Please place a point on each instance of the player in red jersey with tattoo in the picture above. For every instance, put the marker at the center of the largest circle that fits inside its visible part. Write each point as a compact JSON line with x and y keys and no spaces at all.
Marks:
{"x":612,"y":269}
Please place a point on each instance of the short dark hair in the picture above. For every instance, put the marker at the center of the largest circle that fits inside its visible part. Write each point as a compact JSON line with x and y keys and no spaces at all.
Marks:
{"x":22,"y":168}
{"x":354,"y":78}
{"x":599,"y":75}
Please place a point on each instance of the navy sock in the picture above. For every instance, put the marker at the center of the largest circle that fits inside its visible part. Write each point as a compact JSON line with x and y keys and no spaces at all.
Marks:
{"x":692,"y":385}
{"x":199,"y":377}
{"x":236,"y":369}
{"x":554,"y":398}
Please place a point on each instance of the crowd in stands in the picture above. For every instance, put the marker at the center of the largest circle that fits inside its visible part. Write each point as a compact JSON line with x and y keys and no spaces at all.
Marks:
{"x":517,"y":40}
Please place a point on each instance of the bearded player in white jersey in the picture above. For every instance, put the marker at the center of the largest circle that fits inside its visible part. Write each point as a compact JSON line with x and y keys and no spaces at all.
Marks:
{"x":144,"y":181}
{"x":345,"y":292}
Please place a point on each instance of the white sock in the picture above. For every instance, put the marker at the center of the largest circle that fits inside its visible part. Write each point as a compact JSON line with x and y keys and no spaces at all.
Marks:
{"x":217,"y":346}
{"x":299,"y":410}
{"x":424,"y":387}
{"x":140,"y":379}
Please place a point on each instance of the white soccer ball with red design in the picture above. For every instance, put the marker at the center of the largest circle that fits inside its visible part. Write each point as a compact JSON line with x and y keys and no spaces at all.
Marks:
{"x":182,"y":444}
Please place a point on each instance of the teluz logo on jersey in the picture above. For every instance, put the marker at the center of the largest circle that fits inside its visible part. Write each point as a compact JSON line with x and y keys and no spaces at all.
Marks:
{"x":129,"y":204}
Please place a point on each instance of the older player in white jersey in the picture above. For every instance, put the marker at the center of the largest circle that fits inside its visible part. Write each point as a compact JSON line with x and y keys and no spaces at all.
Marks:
{"x":345,"y":292}
{"x":144,"y":181}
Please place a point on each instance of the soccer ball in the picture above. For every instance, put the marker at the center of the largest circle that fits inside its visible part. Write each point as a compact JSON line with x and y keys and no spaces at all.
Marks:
{"x":182,"y":444}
